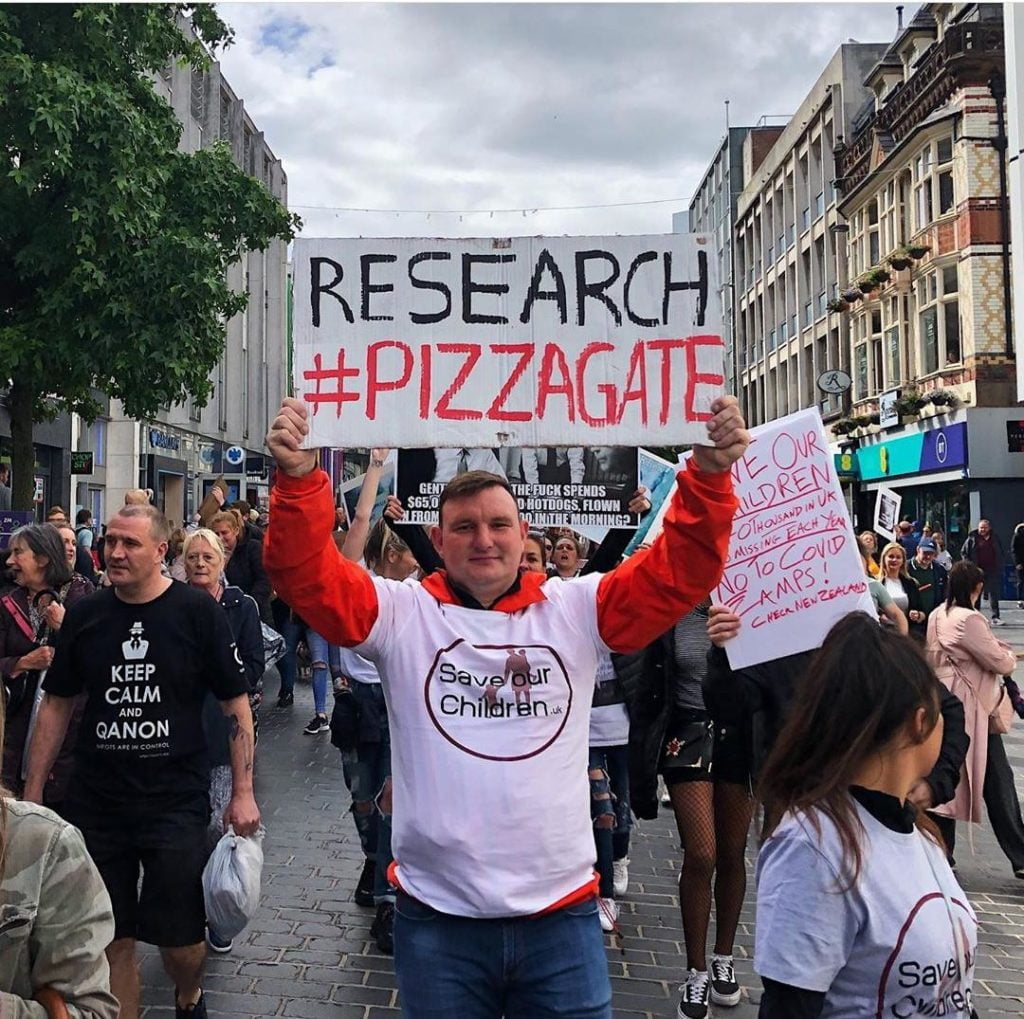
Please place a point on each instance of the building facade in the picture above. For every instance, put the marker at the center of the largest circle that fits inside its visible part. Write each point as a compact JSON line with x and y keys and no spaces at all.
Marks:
{"x":712,"y":211}
{"x":923,"y":188}
{"x":790,"y":249}
{"x":185,"y":448}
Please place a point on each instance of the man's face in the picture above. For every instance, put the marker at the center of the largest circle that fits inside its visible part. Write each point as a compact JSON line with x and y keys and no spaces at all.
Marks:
{"x":481,"y":540}
{"x":925,"y":556}
{"x":133,"y":555}
{"x":56,"y":518}
{"x":984,"y":528}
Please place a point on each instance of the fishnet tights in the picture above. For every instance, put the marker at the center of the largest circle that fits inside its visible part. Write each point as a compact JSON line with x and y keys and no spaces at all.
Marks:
{"x":713,"y":820}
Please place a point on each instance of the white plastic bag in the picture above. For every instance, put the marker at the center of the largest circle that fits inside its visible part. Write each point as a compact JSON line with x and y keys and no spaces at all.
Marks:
{"x":231,"y":882}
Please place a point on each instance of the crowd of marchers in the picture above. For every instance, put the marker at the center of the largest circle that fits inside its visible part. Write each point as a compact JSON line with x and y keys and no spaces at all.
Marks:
{"x":505,"y":702}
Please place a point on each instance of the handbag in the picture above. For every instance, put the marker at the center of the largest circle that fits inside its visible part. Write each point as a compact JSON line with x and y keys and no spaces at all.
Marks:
{"x":1001,"y":718}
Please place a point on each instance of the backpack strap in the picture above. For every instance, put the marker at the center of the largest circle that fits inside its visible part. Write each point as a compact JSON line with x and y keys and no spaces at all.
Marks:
{"x":19,"y":616}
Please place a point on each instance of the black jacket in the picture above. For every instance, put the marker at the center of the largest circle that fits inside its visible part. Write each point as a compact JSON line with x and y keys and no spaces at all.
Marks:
{"x":243,"y":618}
{"x":1017,"y":545}
{"x":245,"y":570}
{"x":759,"y":697}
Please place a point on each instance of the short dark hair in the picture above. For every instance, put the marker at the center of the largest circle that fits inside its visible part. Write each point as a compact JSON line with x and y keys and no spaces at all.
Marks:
{"x":158,"y":525}
{"x":963,"y":579}
{"x":45,"y":540}
{"x":83,"y":516}
{"x":470,"y":483}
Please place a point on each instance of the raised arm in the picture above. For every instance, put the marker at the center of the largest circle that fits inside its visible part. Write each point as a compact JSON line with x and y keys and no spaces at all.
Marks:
{"x":359,"y":528}
{"x":644,"y":596}
{"x":334,"y":596}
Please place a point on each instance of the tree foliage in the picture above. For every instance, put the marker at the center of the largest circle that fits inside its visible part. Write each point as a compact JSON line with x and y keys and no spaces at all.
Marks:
{"x":114,"y":245}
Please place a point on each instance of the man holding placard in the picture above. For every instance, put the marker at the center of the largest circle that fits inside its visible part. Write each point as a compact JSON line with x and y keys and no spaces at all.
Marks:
{"x":492,"y":834}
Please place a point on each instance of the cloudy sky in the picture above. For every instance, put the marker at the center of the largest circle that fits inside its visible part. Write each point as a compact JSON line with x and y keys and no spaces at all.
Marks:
{"x":508,"y":106}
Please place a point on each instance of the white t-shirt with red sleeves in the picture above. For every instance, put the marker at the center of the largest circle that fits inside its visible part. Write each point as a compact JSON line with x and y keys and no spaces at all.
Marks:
{"x":491,"y":798}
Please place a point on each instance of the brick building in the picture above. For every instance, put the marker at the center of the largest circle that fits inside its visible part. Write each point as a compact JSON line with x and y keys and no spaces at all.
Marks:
{"x":931,"y":353}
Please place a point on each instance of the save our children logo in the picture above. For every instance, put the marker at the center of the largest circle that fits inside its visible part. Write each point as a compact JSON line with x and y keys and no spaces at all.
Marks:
{"x":501,"y":702}
{"x":922,"y":976}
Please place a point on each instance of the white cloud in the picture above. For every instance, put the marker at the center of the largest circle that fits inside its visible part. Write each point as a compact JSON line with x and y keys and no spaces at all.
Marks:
{"x":492,"y":106}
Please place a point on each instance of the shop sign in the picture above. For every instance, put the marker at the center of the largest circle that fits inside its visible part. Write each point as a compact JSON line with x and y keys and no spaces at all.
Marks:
{"x":37,"y":492}
{"x":11,"y":520}
{"x":846,"y":466}
{"x":81,"y":461}
{"x":888,"y":415}
{"x":1015,"y":436}
{"x":161,"y":440}
{"x":936,"y":450}
{"x":234,"y":456}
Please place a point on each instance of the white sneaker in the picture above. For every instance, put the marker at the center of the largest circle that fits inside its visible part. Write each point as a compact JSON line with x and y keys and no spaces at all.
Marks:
{"x":998,"y":622}
{"x":620,"y":876}
{"x":693,"y":996}
{"x":1020,"y":604}
{"x":608,"y":910}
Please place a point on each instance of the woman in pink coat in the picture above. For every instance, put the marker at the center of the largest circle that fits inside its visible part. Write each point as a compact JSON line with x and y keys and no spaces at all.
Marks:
{"x":969,"y":660}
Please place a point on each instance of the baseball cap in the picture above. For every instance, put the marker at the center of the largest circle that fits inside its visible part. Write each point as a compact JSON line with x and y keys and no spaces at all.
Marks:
{"x":927,"y":545}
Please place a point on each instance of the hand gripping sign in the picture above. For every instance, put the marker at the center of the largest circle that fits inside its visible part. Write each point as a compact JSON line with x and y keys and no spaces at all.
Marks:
{"x":793,"y":568}
{"x":493,"y":342}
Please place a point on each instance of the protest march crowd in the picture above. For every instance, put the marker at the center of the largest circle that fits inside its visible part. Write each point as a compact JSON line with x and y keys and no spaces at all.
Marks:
{"x":503,"y":708}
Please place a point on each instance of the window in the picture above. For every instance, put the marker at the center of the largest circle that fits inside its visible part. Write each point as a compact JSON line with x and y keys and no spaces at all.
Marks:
{"x":891,"y":341}
{"x":938,"y":334}
{"x":861,"y":366}
{"x":225,"y":116}
{"x":933,"y":182}
{"x":198,"y":95}
{"x":98,"y":441}
{"x":819,"y":205}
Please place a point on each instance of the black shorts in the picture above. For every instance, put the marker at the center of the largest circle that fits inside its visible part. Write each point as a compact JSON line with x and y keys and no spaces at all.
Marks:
{"x":732,"y":755}
{"x":171,"y":849}
{"x":723,"y":755}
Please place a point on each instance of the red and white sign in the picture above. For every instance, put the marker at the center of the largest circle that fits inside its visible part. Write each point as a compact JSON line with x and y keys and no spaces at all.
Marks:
{"x":522,"y":341}
{"x":793,"y":568}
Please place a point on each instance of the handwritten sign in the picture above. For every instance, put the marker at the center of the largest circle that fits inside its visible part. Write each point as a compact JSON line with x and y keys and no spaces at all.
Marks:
{"x":493,"y":342}
{"x":793,"y":568}
{"x":569,"y":486}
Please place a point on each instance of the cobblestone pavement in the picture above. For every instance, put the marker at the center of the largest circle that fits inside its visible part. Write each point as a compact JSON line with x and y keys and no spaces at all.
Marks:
{"x":308,"y":953}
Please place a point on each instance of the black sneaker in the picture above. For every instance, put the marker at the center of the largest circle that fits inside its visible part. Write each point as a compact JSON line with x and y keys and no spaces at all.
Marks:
{"x":383,"y":928}
{"x":364,"y":888}
{"x":317,"y":724}
{"x":725,"y":990}
{"x":286,"y":700}
{"x":693,"y":996}
{"x":196,"y":1011}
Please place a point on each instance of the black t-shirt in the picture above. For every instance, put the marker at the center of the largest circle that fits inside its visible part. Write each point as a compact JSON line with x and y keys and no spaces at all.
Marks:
{"x":146,"y":670}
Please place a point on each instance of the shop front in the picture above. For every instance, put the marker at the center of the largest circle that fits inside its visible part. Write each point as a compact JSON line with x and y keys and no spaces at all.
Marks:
{"x":950,"y":472}
{"x":165,"y":471}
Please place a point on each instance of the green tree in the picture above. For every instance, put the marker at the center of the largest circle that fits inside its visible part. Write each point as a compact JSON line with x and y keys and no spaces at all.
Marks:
{"x":114,"y":246}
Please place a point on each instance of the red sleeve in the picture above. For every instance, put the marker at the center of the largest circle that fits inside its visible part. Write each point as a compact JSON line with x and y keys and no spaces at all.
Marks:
{"x":332,"y":595}
{"x":639,"y":600}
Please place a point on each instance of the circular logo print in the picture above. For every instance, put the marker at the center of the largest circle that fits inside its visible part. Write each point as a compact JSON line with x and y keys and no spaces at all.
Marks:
{"x":501,"y":702}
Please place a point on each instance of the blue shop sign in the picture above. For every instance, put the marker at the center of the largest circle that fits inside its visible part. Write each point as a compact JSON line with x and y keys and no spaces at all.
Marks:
{"x":161,"y":440}
{"x":939,"y":449}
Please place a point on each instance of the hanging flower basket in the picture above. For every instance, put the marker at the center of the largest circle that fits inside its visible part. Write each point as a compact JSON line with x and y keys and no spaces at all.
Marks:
{"x":851,"y":295}
{"x":844,"y":426}
{"x":943,"y":398}
{"x":867,"y":286}
{"x":879,"y":275}
{"x":917,"y":251}
{"x":900,"y":262}
{"x":838,"y":304}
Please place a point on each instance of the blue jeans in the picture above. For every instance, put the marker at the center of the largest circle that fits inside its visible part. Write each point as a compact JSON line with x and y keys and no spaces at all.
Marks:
{"x":609,"y":809}
{"x":287,"y":666}
{"x":533,"y":967}
{"x":322,"y":655}
{"x":367,"y":770}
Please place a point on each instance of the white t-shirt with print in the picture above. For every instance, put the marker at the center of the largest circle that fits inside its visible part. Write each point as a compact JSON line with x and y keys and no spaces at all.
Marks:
{"x":489,"y":745}
{"x":900,"y":943}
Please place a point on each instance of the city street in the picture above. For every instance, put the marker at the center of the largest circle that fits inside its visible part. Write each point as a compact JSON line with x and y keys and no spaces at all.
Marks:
{"x":308,"y":953}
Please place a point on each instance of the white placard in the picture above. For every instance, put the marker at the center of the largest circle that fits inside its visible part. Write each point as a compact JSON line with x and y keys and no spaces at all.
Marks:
{"x":793,"y":568}
{"x":887,"y":512}
{"x":521,"y":341}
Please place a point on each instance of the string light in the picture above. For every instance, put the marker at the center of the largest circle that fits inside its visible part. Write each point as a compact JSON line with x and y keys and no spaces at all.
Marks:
{"x":490,"y":213}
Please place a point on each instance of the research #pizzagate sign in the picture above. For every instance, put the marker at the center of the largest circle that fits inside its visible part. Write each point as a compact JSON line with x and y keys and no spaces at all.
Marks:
{"x":494,"y":342}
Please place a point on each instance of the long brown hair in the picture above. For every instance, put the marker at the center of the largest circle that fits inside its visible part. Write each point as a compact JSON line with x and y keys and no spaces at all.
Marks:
{"x":861,"y":688}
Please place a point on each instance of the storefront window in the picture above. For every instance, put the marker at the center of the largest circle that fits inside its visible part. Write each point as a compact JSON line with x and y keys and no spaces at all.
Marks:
{"x":946,"y":506}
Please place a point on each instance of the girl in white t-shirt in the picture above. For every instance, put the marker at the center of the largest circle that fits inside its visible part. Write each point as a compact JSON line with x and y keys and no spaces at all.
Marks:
{"x":858,"y":912}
